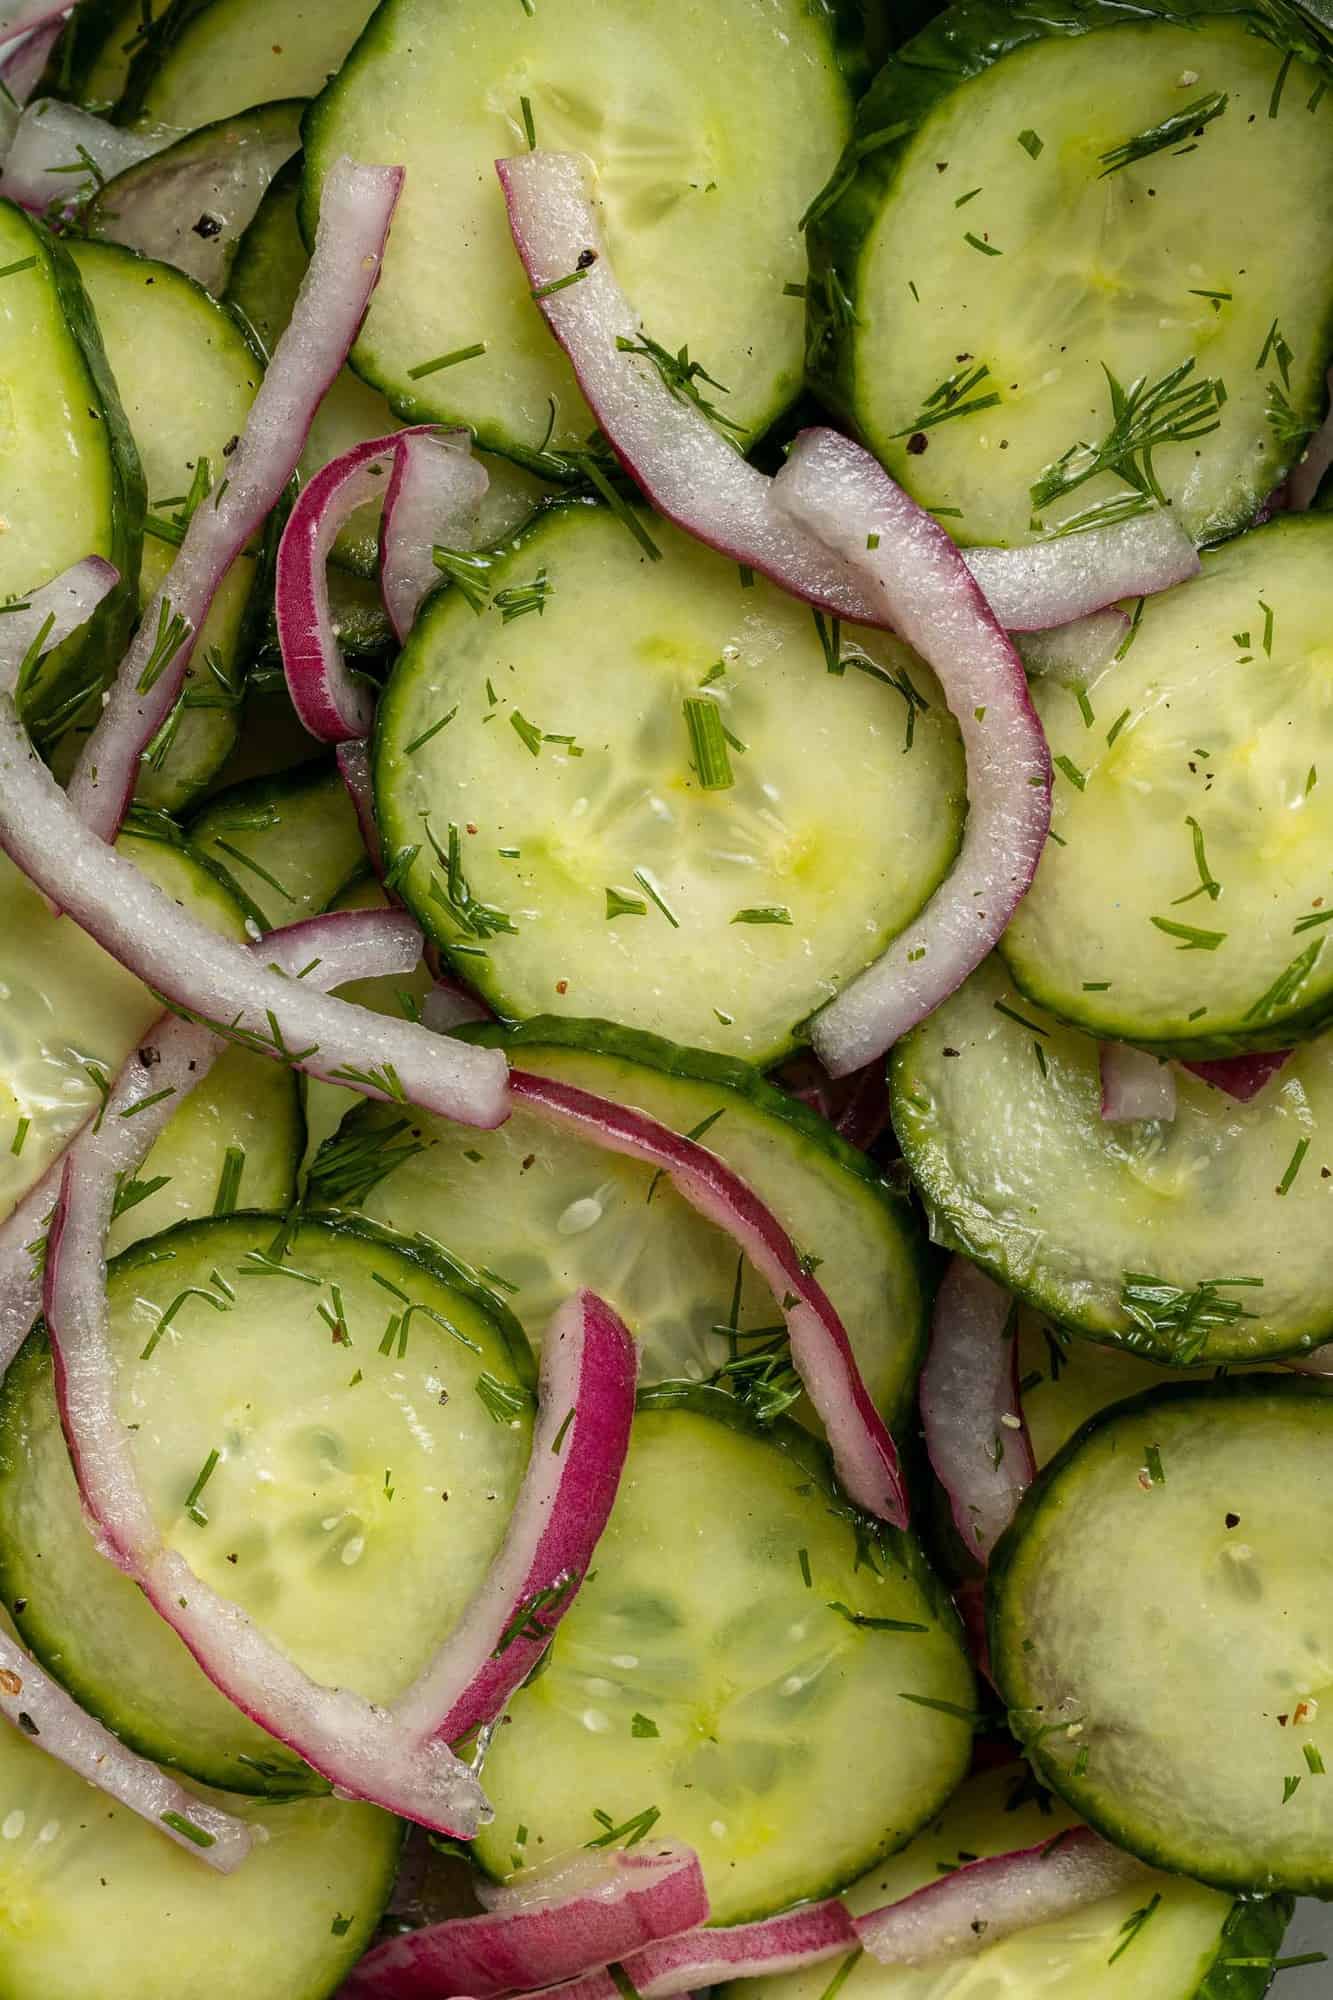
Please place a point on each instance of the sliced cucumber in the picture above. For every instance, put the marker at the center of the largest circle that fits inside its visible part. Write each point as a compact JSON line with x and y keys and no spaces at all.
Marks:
{"x":1220,"y":723}
{"x":323,"y":1510}
{"x":1066,"y":1381}
{"x":1046,"y":206}
{"x":98,"y":1906}
{"x":157,"y":323}
{"x":547,"y":1213}
{"x":284,"y":845}
{"x":91,"y":62}
{"x":70,"y":480}
{"x":269,"y":266}
{"x":1201,"y":1240}
{"x":191,"y":204}
{"x":1159,"y":1628}
{"x":701,"y":1686}
{"x":1184,"y":1949}
{"x":719,"y":917}
{"x":710,"y":131}
{"x":210,"y":59}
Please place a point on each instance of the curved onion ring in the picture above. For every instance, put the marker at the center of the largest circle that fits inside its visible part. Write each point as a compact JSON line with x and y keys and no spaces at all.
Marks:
{"x":1136,"y":1084}
{"x":970,"y":1407}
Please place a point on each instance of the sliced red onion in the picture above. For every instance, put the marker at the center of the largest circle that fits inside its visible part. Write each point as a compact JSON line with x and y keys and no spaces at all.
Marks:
{"x":356,"y":210}
{"x":971,"y":1410}
{"x":217,"y":980}
{"x":1319,"y":1361}
{"x":838,"y":491}
{"x":984,"y":1901}
{"x":1074,"y":654}
{"x":24,"y":17}
{"x":448,"y":1006}
{"x":24,"y":64}
{"x":563,"y":1921}
{"x":589,"y":1364}
{"x":333,"y":704}
{"x":1136,"y":1085}
{"x":354,"y":769}
{"x":47,"y":616}
{"x":50,"y":135}
{"x":40,"y":1707}
{"x":698,"y":480}
{"x":856,"y":1106}
{"x":863,"y":1451}
{"x":435,"y":492}
{"x":1242,"y":1077}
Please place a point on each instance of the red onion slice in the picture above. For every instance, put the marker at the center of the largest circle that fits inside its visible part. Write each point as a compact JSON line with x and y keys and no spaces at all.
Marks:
{"x":838,"y":491}
{"x":984,"y":1901}
{"x":1135,"y":1084}
{"x":971,"y":1410}
{"x":50,"y":135}
{"x":217,"y":980}
{"x":356,"y":211}
{"x":1242,"y":1077}
{"x":40,"y":1707}
{"x":863,"y":1451}
{"x":24,"y":17}
{"x":1074,"y":654}
{"x":570,"y":1919}
{"x":24,"y":63}
{"x":1052,"y":583}
{"x":435,"y":492}
{"x":47,"y":616}
{"x":588,"y":1369}
{"x":856,"y":1106}
{"x":354,"y":769}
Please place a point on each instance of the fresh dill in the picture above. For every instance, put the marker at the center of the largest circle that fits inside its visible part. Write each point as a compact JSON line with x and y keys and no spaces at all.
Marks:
{"x":708,"y":743}
{"x":1144,"y":417}
{"x":953,"y":398}
{"x":681,"y":377}
{"x":1184,"y":124}
{"x":1182,"y":1319}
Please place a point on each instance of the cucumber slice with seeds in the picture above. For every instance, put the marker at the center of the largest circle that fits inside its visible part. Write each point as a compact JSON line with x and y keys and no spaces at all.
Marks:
{"x":1045,"y":208}
{"x":1197,"y":1241}
{"x":701,"y":1687}
{"x":325,"y":1513}
{"x":1200,"y":753}
{"x":703,"y":184}
{"x":210,"y":59}
{"x":284,"y":846}
{"x":98,"y":1903}
{"x":1159,"y":1628}
{"x":579,"y":865}
{"x":1183,"y":1948}
{"x":548,"y":1213}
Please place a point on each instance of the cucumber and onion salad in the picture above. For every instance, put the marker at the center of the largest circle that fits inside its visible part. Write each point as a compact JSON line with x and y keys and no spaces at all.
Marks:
{"x":483,"y":772}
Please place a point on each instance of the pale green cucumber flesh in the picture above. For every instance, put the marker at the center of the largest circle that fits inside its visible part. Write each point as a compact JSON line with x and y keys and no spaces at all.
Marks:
{"x":284,"y":846}
{"x":751,"y":1692}
{"x":702,"y":185}
{"x":1225,"y":1207}
{"x":98,"y":1902}
{"x":720,"y":918}
{"x":1104,"y":1951}
{"x":1066,"y":1381}
{"x":90,"y":64}
{"x":361,"y":1487}
{"x":994,"y":260}
{"x":1159,"y":1627}
{"x":548,"y":1213}
{"x":215,"y":58}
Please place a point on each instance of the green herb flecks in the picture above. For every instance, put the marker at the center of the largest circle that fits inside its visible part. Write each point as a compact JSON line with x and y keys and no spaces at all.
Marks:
{"x":23,"y":264}
{"x":979,"y":243}
{"x":1152,"y":1465}
{"x":1077,"y":778}
{"x":502,"y":1401}
{"x":470,"y":571}
{"x":1181,"y":125}
{"x":619,"y":904}
{"x":629,"y":1832}
{"x":1276,"y":345}
{"x":196,"y":1835}
{"x":1288,"y":425}
{"x":1032,"y":145}
{"x":341,"y":1925}
{"x":451,"y":360}
{"x":426,"y":734}
{"x":206,"y":1471}
{"x":1144,"y":418}
{"x":681,"y":377}
{"x":1287,"y":984}
{"x":20,"y":1135}
{"x":474,"y":918}
{"x":869,"y":1624}
{"x":221,"y":1299}
{"x":1132,"y":1925}
{"x":973,"y":1717}
{"x":708,"y":743}
{"x":519,"y":600}
{"x":1191,"y":938}
{"x":172,"y":633}
{"x":527,"y":1622}
{"x":574,"y":277}
{"x":1178,"y":1318}
{"x":1293,"y":1166}
{"x":130,"y":1192}
{"x":356,"y":1159}
{"x":953,"y":398}
{"x":764,"y":913}
{"x":248,"y":862}
{"x":1208,"y":884}
{"x":1314,"y":1762}
{"x":654,"y":895}
{"x":643,"y":1726}
{"x":1012,"y":1014}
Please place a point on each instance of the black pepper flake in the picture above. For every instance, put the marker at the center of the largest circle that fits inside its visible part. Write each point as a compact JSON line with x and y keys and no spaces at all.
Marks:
{"x":1233,"y":1520}
{"x":207,"y":226}
{"x":917,"y":443}
{"x":586,"y":259}
{"x":27,"y":1725}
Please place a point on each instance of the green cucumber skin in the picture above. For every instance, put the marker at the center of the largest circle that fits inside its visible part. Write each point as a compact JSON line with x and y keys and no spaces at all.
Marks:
{"x":959,"y":44}
{"x":1235,"y":1388}
{"x":170,"y":26}
{"x":1252,"y":1930}
{"x":88,"y":660}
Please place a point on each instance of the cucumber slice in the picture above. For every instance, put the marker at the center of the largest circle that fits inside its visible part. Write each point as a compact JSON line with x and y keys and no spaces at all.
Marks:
{"x":158,"y":324}
{"x":1180,"y":1951}
{"x":284,"y":846}
{"x":1041,"y":199}
{"x":70,"y":480}
{"x":720,"y":918}
{"x":708,"y":144}
{"x":269,"y":266}
{"x":324,"y":1516}
{"x":1197,"y":1241}
{"x":1172,"y":1695}
{"x":190,"y":205}
{"x":716,"y":1696}
{"x":210,"y":59}
{"x":548,"y":1213}
{"x":1216,"y":939}
{"x":98,"y":1904}
{"x":1067,"y":1381}
{"x":90,"y":64}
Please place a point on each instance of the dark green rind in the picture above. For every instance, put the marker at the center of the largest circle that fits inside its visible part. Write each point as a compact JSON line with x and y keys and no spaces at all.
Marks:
{"x":1005,"y":1648}
{"x":270,"y":260}
{"x":90,"y":35}
{"x":1252,"y":1930}
{"x":170,"y":26}
{"x":956,"y":46}
{"x":89,"y":658}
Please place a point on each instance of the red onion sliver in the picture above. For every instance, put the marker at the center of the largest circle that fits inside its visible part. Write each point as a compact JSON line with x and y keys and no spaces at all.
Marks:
{"x":435,"y":492}
{"x":1318,"y":1362}
{"x":48,"y":616}
{"x":356,"y":210}
{"x":1135,"y":1084}
{"x":863,"y":1451}
{"x":588,"y":1369}
{"x":353,"y":760}
{"x":1052,"y":583}
{"x":1075,"y":654}
{"x":33,"y":1702}
{"x":837,"y":490}
{"x":570,"y":1919}
{"x":24,"y":65}
{"x":448,"y":1006}
{"x":971,"y":1410}
{"x":984,"y":1901}
{"x":1242,"y":1077}
{"x":856,"y":1106}
{"x":216,"y":979}
{"x":23,"y":17}
{"x":51,"y":134}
